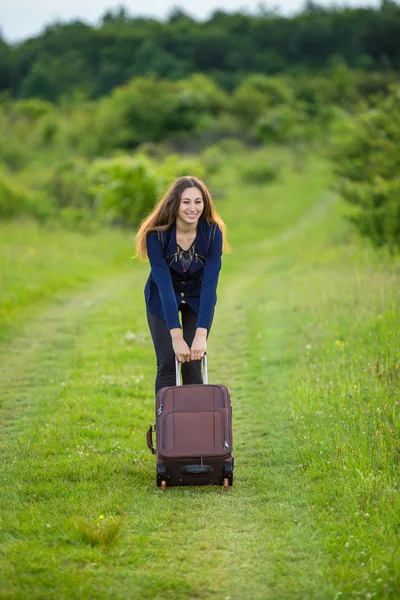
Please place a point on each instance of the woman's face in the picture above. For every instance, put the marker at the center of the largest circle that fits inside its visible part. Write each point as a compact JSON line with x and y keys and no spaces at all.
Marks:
{"x":191,"y":206}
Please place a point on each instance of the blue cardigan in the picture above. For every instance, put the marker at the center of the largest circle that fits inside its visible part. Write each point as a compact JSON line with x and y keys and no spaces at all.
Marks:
{"x":168,"y":285}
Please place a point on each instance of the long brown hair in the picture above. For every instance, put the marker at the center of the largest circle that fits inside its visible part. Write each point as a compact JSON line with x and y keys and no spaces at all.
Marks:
{"x":166,"y":211}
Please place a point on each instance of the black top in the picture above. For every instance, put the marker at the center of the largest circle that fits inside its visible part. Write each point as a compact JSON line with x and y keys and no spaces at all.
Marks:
{"x":185,"y":257}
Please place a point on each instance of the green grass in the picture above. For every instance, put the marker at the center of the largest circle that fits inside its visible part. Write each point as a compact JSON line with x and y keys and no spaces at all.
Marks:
{"x":306,"y":335}
{"x":40,"y":263}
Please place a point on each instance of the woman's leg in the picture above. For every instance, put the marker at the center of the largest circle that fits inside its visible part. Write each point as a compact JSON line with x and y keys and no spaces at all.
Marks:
{"x":191,"y":371}
{"x":164,"y":352}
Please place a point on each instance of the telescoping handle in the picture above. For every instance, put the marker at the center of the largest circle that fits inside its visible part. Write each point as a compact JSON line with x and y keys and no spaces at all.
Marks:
{"x":205,"y":374}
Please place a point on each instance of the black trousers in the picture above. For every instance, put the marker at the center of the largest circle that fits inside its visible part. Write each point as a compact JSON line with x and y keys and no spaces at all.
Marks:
{"x":166,"y":375}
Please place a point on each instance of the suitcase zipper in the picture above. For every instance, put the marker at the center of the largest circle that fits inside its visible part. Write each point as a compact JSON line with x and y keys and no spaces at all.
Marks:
{"x":210,"y":458}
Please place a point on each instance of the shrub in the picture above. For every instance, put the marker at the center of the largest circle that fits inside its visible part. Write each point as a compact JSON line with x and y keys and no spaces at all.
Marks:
{"x":17,"y":200}
{"x":124,"y":188}
{"x":104,"y":532}
{"x":260,"y":172}
{"x":212,"y":158}
{"x":256,"y":94}
{"x":67,"y":184}
{"x":175,"y":166}
{"x":31,"y":109}
{"x":368,"y":166}
{"x":280,"y":124}
{"x":12,"y":197}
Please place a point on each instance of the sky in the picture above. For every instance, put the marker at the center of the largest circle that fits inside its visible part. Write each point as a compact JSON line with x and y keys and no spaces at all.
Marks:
{"x":20,"y":19}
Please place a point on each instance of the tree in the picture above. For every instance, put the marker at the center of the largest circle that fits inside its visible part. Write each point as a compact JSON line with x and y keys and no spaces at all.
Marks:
{"x":368,"y":166}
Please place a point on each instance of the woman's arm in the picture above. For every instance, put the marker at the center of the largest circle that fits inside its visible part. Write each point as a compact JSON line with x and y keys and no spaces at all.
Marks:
{"x":162,"y":276}
{"x":209,"y":282}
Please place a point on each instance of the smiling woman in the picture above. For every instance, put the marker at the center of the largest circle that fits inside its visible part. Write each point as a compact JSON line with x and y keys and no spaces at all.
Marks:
{"x":183,"y":238}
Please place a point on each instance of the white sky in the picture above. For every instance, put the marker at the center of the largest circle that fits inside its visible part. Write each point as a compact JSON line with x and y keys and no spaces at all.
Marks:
{"x":20,"y":19}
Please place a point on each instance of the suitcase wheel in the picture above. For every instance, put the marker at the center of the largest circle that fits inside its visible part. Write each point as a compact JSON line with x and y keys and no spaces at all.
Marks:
{"x":162,"y":476}
{"x":226,"y":477}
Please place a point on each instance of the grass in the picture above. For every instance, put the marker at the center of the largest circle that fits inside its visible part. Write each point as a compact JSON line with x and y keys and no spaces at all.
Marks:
{"x":306,"y":335}
{"x":40,"y":263}
{"x":104,"y":531}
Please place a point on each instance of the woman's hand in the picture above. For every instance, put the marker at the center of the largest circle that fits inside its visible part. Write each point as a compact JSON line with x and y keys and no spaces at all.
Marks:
{"x":181,"y":349}
{"x":199,"y":345}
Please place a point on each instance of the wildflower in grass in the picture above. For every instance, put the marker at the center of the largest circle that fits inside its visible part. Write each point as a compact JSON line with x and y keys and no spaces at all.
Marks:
{"x":102,"y":533}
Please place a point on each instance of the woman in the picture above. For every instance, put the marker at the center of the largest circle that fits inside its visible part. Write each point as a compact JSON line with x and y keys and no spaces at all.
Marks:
{"x":183,"y":238}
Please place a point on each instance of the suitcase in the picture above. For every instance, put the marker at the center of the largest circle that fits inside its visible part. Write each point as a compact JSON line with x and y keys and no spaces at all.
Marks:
{"x":193,"y":434}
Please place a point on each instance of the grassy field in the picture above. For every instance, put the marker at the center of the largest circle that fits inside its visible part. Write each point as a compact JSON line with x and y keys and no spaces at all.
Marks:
{"x":306,"y":336}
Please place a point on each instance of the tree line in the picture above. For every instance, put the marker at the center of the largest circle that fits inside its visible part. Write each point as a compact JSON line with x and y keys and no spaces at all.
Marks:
{"x":89,"y":61}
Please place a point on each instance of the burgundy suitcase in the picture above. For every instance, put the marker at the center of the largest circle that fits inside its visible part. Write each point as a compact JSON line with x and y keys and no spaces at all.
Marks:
{"x":193,"y":434}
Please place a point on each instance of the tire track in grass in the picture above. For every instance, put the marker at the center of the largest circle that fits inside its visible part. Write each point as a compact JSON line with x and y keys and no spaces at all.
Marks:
{"x":26,"y":360}
{"x":301,"y":225}
{"x":251,"y":356}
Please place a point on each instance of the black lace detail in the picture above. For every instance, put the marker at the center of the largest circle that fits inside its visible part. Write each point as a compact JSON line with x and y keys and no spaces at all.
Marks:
{"x":185,"y":256}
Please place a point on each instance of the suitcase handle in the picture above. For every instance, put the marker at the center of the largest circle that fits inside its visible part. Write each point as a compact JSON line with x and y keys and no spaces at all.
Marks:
{"x":197,"y":469}
{"x":149,"y":439}
{"x":205,"y":373}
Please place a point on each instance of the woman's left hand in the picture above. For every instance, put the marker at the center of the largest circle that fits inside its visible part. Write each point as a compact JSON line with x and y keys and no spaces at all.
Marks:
{"x":199,"y":345}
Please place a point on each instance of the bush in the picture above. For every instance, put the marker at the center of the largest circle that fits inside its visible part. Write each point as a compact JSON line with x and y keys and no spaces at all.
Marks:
{"x":175,"y":166}
{"x":212,"y":158}
{"x":16,"y":200}
{"x":378,"y":214}
{"x":260,"y":173}
{"x":12,"y":197}
{"x":368,"y":166}
{"x":280,"y":124}
{"x":124,"y":189}
{"x":256,"y":94}
{"x":67,"y":184}
{"x":31,"y":109}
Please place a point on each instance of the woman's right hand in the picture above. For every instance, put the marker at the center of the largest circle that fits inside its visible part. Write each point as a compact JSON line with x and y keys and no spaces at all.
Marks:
{"x":181,"y":349}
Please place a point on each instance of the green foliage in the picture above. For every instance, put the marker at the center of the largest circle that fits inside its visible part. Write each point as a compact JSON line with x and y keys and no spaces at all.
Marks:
{"x":191,"y":114}
{"x":104,"y":532}
{"x":212,"y":159}
{"x":147,"y":109}
{"x":31,"y":109}
{"x":67,"y":183}
{"x":368,"y":164}
{"x":228,"y":46}
{"x":119,"y":190}
{"x":174,"y":166}
{"x":260,"y":172}
{"x":125,"y":188}
{"x":256,"y":94}
{"x":66,"y":160}
{"x":17,"y":200}
{"x":12,"y":196}
{"x":280,"y":124}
